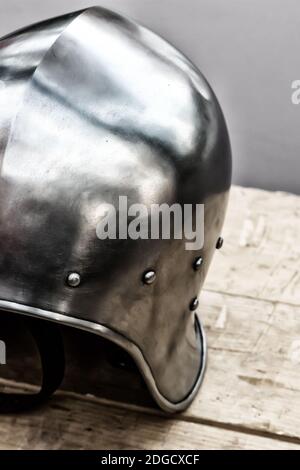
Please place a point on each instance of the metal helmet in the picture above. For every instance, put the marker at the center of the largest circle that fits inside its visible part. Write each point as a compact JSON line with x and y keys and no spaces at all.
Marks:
{"x":94,"y":106}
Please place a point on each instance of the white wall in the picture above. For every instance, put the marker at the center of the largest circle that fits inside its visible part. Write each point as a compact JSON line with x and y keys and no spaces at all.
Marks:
{"x":247,"y":49}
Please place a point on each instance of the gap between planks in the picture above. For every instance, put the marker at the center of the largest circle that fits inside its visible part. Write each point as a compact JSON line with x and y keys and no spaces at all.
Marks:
{"x":251,"y":297}
{"x":11,"y":386}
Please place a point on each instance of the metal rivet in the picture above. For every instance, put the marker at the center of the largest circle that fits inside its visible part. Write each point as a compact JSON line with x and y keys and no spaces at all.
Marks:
{"x":197,"y":263}
{"x":73,"y":279}
{"x":219,"y":243}
{"x":194,"y":304}
{"x":149,"y":277}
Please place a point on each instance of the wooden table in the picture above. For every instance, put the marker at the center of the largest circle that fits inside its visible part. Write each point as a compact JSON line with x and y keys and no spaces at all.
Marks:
{"x":250,"y":397}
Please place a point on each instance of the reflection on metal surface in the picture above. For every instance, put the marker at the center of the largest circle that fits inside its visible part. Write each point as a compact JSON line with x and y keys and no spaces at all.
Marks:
{"x":149,"y":277}
{"x":198,"y":263}
{"x":73,"y":279}
{"x":94,"y":106}
{"x":194,"y":304}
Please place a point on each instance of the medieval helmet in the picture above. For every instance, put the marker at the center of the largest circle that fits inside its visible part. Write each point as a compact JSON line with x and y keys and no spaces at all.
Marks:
{"x":94,"y":106}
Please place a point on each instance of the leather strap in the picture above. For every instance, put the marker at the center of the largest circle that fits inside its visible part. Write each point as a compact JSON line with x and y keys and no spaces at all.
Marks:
{"x":50,"y":345}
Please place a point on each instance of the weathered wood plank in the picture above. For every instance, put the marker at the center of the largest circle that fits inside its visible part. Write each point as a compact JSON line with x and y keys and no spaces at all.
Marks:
{"x":253,"y":375}
{"x":253,"y":329}
{"x":261,"y":254}
{"x":68,"y":423}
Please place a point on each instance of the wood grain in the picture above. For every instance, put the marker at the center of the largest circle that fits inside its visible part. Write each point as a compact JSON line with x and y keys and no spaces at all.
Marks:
{"x":250,"y":397}
{"x":261,"y":254}
{"x":253,"y":374}
{"x":71,"y":423}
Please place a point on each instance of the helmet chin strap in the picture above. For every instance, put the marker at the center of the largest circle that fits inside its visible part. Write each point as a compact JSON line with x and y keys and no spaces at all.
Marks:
{"x":49,"y":342}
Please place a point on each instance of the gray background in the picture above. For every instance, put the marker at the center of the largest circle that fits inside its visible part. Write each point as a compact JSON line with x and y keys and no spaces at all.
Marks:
{"x":249,"y":52}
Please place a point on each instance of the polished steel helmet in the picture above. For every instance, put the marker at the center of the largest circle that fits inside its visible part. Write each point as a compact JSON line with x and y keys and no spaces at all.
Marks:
{"x":94,"y":106}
